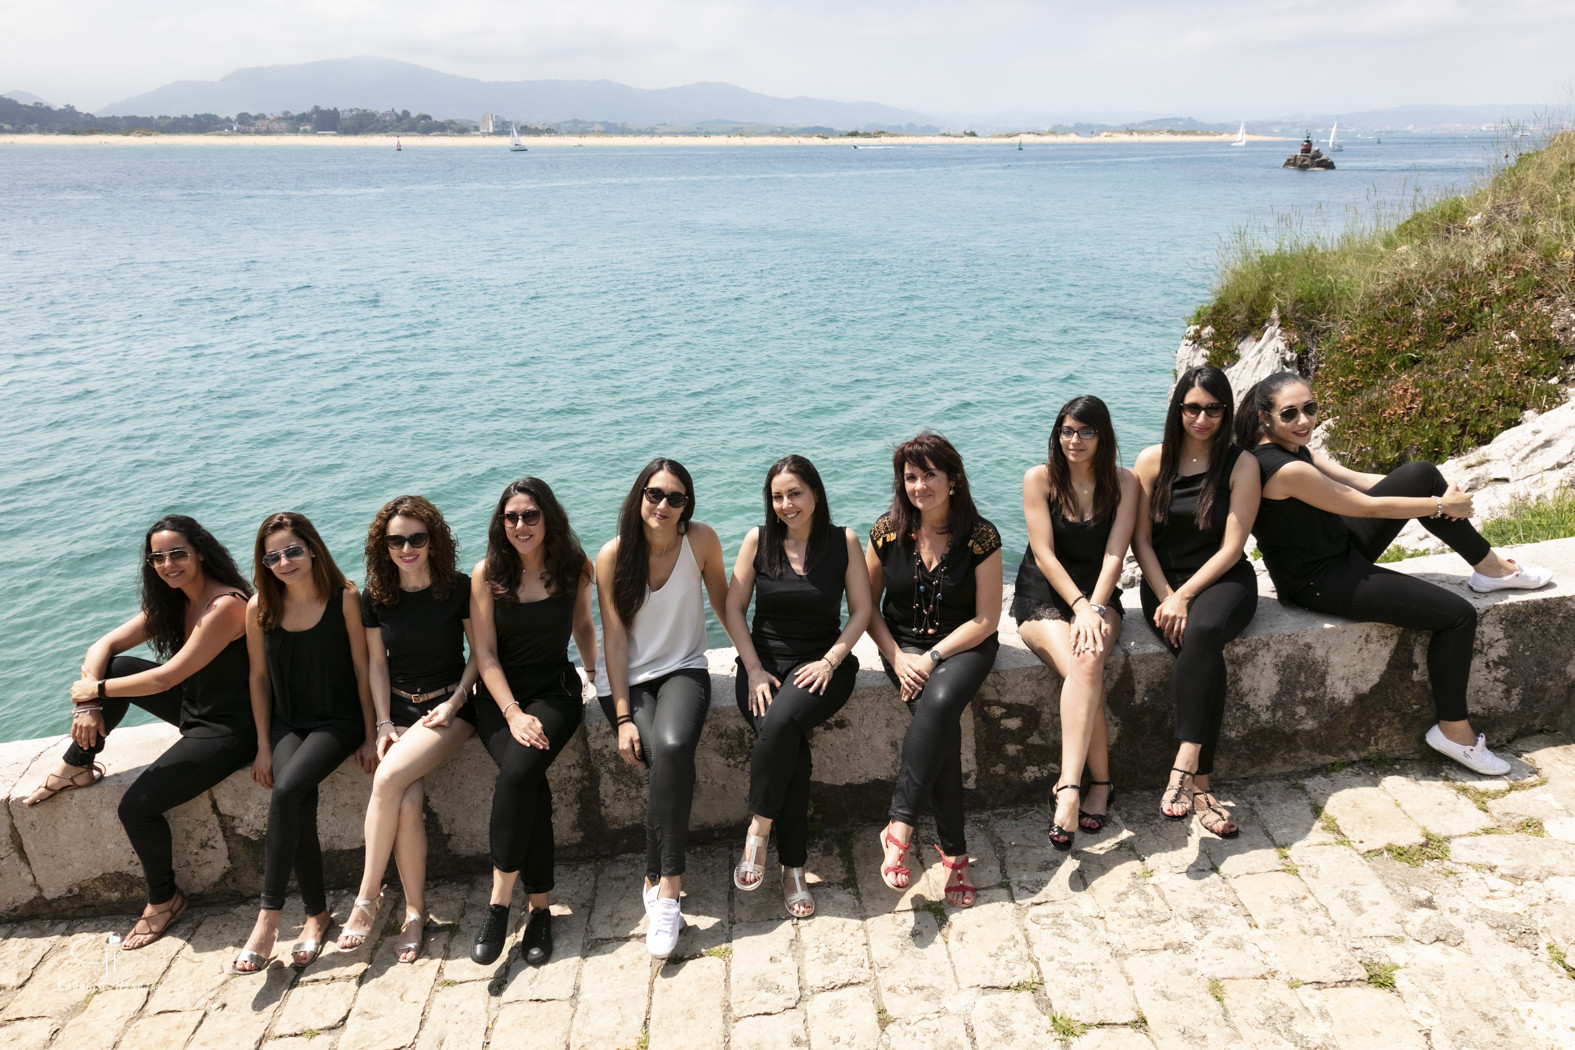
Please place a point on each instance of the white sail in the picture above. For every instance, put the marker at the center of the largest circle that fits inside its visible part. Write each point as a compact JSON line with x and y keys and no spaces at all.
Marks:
{"x":1332,"y":131}
{"x":1241,"y":136}
{"x":514,"y":135}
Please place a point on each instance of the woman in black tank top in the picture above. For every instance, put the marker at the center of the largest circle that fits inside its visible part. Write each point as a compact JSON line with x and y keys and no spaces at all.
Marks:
{"x":1079,"y":505}
{"x":1321,"y":527}
{"x":1200,"y":495}
{"x":313,"y":710}
{"x":194,"y":616}
{"x":795,"y":667}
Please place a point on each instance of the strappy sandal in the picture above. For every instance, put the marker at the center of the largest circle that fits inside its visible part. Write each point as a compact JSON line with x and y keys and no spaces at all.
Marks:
{"x":1220,"y":815}
{"x":1061,"y":838}
{"x":146,"y":926}
{"x":1096,"y":821}
{"x":1175,"y":796}
{"x":413,"y":947}
{"x":369,"y":908}
{"x":798,"y":897}
{"x":754,"y":846}
{"x":308,"y":946}
{"x":962,"y":889}
{"x":888,"y":872}
{"x":94,"y":773}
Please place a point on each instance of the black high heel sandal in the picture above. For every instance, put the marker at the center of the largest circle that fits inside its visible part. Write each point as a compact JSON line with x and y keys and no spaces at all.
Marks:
{"x":1096,"y":821}
{"x":1061,"y":838}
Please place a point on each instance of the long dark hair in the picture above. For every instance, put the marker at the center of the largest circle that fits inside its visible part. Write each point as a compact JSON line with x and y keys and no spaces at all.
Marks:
{"x":326,"y":576}
{"x":1090,"y":411}
{"x":774,"y":532}
{"x":1259,"y":399}
{"x":563,"y":559}
{"x":163,"y":606}
{"x":382,"y":575}
{"x":1214,"y":381}
{"x":634,"y":554}
{"x":933,"y":452}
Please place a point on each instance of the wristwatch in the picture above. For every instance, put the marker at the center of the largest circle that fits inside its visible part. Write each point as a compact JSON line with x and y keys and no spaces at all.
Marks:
{"x":935,"y":656}
{"x":1099,"y":610}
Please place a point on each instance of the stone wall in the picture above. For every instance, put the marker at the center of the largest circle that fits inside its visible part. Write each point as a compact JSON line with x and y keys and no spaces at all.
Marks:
{"x":1305,"y":690}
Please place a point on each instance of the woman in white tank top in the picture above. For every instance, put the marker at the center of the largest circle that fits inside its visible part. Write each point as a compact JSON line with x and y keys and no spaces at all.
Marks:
{"x":656,"y":690}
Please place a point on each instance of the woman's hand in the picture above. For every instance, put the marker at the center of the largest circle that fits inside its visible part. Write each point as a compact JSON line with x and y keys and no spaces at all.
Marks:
{"x":84,"y":689}
{"x":1457,"y":503}
{"x":366,"y":755}
{"x":629,"y":744}
{"x":762,"y":690}
{"x":527,"y":729}
{"x":262,"y":766}
{"x":913,"y":670}
{"x":1088,"y":630}
{"x":813,"y":677}
{"x":387,"y":736}
{"x":1171,"y":618}
{"x":87,"y":727}
{"x":443,"y":714}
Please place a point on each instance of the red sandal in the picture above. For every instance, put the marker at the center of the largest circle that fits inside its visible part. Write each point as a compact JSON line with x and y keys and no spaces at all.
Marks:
{"x":962,"y":890}
{"x":887,"y":871}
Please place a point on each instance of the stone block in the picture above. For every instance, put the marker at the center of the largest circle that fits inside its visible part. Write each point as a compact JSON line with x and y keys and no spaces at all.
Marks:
{"x":392,"y":1001}
{"x":315,"y":1007}
{"x":1367,"y":815}
{"x":1271,"y":1017}
{"x":785,"y":1031}
{"x":1286,"y":813}
{"x":36,"y":1032}
{"x":688,"y":1001}
{"x":911,"y":965}
{"x":1364,"y":1018}
{"x":1356,"y":899}
{"x":1249,"y":853}
{"x":17,"y":886}
{"x":1304,"y":945}
{"x":104,"y":1018}
{"x":459,"y":795}
{"x":836,"y":950}
{"x":555,"y":980}
{"x":615,"y":983}
{"x":764,"y":972}
{"x":1520,"y":857}
{"x":843,"y":1019}
{"x":1457,"y":1003}
{"x":987,"y":946}
{"x":197,"y":973}
{"x":935,"y":1032}
{"x":1135,"y":914}
{"x":457,"y":1019}
{"x":1436,"y":805}
{"x":240,"y":1014}
{"x":1175,"y":999}
{"x":23,"y":946}
{"x":160,"y":1031}
{"x":1208,"y":915}
{"x":533,"y":1026}
{"x":1007,"y":1021}
{"x":1082,"y":979}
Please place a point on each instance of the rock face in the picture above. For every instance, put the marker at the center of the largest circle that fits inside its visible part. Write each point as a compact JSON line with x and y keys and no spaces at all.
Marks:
{"x":1314,"y":161}
{"x":1256,"y":358}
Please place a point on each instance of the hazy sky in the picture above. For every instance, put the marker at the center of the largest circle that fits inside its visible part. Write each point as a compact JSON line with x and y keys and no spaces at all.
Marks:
{"x":1211,"y":59}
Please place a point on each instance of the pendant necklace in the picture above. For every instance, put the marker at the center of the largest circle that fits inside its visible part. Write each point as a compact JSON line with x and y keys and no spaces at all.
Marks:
{"x":927,"y":590}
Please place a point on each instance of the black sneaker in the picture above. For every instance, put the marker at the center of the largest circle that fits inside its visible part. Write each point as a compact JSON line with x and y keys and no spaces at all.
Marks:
{"x":489,"y":939}
{"x":537,"y":940}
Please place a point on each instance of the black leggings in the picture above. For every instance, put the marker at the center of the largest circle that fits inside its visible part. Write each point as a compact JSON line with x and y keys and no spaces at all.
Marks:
{"x":1360,"y":590}
{"x":1221,"y":612}
{"x":780,"y":768}
{"x":669,"y":713}
{"x":190,"y":766}
{"x":302,"y":759}
{"x":932,"y":749}
{"x":521,"y":836}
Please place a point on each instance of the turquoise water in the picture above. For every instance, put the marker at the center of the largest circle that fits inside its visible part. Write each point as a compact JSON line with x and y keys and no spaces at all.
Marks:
{"x":230,"y":332}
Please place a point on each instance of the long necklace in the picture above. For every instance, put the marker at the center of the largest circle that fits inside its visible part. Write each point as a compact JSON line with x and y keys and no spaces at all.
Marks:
{"x":927,"y":590}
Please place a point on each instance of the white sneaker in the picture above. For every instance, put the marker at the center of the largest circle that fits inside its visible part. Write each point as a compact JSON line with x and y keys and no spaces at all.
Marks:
{"x":649,"y":893}
{"x":1476,"y":758}
{"x":1524,"y":578}
{"x":666,"y":923}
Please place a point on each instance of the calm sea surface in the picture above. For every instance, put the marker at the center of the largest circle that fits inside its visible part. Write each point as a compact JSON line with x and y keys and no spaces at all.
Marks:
{"x":228,"y":332}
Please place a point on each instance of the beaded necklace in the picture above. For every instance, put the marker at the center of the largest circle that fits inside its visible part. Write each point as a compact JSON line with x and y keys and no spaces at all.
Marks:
{"x":927,"y":590}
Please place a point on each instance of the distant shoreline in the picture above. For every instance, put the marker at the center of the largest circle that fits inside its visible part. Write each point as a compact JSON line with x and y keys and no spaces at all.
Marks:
{"x":560,"y":141}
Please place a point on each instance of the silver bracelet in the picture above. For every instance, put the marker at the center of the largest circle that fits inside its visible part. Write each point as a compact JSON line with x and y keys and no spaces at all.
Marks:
{"x":1439,"y":501}
{"x":384,"y":722}
{"x":511,"y":703}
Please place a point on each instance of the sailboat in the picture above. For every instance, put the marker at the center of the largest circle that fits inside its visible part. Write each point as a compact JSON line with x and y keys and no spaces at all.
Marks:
{"x":515,"y":146}
{"x":1333,"y":147}
{"x":1241,"y":136}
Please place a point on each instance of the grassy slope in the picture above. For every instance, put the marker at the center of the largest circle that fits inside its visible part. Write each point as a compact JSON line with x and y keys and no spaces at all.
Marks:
{"x":1432,"y":336}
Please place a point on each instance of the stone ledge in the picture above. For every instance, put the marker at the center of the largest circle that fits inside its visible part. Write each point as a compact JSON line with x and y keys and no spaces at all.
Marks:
{"x":1306,"y":690}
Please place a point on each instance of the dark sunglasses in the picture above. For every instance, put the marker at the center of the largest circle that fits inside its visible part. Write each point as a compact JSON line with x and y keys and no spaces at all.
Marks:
{"x":529,"y":517}
{"x":175,"y":557}
{"x":294,"y":552}
{"x":1086,"y":433}
{"x":1213,"y":410}
{"x":1289,"y":413}
{"x":675,"y":500}
{"x":415,"y":541}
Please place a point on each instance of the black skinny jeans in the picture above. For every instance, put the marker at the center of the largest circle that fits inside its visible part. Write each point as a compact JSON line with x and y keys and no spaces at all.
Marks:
{"x":779,"y":769}
{"x":1221,"y":612}
{"x":669,"y":713}
{"x":190,"y":766}
{"x":302,"y":759}
{"x":521,"y":834}
{"x":932,"y":749}
{"x":1360,"y":590}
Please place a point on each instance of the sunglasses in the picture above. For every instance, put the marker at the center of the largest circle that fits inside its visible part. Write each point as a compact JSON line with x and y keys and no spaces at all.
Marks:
{"x":528,"y":517}
{"x":1289,"y":413}
{"x":174,"y":557}
{"x":1213,"y":410}
{"x":675,"y":500}
{"x":1086,"y":433}
{"x":294,"y":552}
{"x":415,"y":541}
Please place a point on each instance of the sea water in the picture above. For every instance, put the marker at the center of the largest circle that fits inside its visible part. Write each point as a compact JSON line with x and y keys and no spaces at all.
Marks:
{"x":227,"y":332}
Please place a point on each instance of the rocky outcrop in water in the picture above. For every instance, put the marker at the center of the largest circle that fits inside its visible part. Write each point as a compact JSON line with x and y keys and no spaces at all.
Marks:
{"x":1314,"y":161}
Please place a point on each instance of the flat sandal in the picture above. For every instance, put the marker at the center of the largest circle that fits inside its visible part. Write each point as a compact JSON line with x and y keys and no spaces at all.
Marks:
{"x":799,"y":894}
{"x":1221,"y":815}
{"x":1175,"y":796}
{"x":173,"y":909}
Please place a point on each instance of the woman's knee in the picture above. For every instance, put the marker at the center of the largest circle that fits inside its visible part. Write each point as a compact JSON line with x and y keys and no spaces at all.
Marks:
{"x":671,"y":749}
{"x":136,"y":807}
{"x":1424,"y":475}
{"x":411,"y":802}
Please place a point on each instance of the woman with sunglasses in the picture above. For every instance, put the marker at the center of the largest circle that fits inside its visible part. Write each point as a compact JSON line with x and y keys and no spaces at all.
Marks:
{"x":529,"y":596}
{"x":1080,"y":505}
{"x":313,"y":709}
{"x":935,"y":565}
{"x":194,"y":617}
{"x":1321,"y":526}
{"x":657,"y":691}
{"x":795,"y":668}
{"x":1199,"y":590}
{"x":416,"y":613}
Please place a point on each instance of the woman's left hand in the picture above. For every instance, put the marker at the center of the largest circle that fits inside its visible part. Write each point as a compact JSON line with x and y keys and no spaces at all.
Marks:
{"x":387,"y":736}
{"x":813,"y":677}
{"x":87,"y":727}
{"x":443,"y":714}
{"x":1171,"y":618}
{"x":83,"y":690}
{"x":366,"y":754}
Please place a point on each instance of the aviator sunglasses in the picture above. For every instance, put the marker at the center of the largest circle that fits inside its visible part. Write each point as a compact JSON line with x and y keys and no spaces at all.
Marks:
{"x":529,"y":517}
{"x":1213,"y":410}
{"x":675,"y":500}
{"x":1289,"y":413}
{"x":294,"y":551}
{"x":175,"y":557}
{"x":415,"y":541}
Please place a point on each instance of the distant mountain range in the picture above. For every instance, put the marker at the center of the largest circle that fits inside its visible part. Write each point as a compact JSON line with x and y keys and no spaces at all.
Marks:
{"x":381,"y":83}
{"x":27,"y":98}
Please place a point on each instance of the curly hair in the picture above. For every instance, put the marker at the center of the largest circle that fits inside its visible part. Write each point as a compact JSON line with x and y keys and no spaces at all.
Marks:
{"x":270,"y":592}
{"x":382,"y":575}
{"x":563,"y":557}
{"x":163,"y":606}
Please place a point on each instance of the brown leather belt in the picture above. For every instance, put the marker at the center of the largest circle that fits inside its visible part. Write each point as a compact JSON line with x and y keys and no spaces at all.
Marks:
{"x":421,"y":698}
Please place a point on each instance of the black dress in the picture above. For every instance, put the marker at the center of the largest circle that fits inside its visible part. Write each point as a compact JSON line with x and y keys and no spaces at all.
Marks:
{"x":1080,"y":548}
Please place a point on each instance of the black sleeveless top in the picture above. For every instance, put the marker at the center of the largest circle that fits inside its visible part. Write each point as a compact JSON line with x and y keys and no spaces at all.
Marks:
{"x":1182,"y":547}
{"x":311,"y":672}
{"x":910,"y":587}
{"x":423,"y":636}
{"x":533,"y":643}
{"x":1299,"y":542}
{"x":798,"y":617}
{"x":217,"y":699}
{"x":1080,"y":548}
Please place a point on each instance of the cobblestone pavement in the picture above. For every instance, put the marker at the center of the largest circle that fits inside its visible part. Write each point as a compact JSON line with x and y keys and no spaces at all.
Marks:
{"x":1383,"y":905}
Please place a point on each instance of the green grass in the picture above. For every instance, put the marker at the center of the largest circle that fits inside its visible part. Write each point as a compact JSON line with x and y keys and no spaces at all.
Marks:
{"x":1030,"y":984}
{"x":1065,"y":1028}
{"x":1217,"y":990}
{"x":1435,"y":847}
{"x":1430,"y":326}
{"x":1557,"y":956}
{"x":720,"y":951}
{"x":1381,"y":975}
{"x":1531,"y":521}
{"x":850,"y":875}
{"x":1399,"y":553}
{"x":883,"y":1018}
{"x":1286,"y":863}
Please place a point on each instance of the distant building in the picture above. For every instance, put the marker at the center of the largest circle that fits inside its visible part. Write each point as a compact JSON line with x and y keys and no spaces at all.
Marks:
{"x":486,"y":124}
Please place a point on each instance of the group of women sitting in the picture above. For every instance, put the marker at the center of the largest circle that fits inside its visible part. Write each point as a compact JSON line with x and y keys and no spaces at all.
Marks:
{"x":306,"y":671}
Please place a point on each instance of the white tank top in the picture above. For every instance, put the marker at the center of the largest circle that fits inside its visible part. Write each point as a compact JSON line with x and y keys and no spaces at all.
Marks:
{"x":668,"y":633}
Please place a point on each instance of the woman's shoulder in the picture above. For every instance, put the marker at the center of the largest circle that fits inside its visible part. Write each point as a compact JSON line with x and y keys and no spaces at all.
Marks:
{"x":883,"y":531}
{"x":1147,"y":463}
{"x":984,"y":539}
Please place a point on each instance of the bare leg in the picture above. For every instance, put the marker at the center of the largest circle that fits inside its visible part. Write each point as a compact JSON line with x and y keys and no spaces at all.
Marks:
{"x":410,"y":848}
{"x":264,"y":933}
{"x":1082,"y":692}
{"x":759,"y":827}
{"x":903,"y":833}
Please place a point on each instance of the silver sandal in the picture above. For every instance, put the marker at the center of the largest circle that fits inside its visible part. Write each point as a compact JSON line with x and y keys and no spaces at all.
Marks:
{"x":246,"y":955}
{"x":756,"y":846}
{"x":800,"y":894}
{"x":415,"y":945}
{"x":369,"y":909}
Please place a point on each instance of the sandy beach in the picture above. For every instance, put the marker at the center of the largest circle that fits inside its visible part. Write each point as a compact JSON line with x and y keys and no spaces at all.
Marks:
{"x":561,"y":141}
